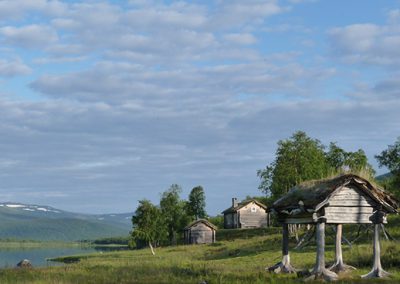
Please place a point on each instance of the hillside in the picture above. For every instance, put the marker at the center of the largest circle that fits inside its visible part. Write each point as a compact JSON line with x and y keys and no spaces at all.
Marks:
{"x":37,"y":222}
{"x":384,"y":177}
{"x":241,"y":258}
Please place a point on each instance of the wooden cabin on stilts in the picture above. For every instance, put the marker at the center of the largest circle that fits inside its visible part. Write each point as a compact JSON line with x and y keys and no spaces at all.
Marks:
{"x":346,"y":199}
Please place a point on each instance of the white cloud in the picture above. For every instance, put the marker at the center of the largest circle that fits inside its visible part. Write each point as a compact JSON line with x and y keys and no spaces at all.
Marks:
{"x":10,"y":68}
{"x":233,"y":14}
{"x":16,"y":9}
{"x":166,"y":17}
{"x":387,"y":89}
{"x":89,"y":150}
{"x":283,"y":28}
{"x":122,"y":82}
{"x":243,"y":38}
{"x":394,"y":16}
{"x":367,"y":44}
{"x":30,"y":36}
{"x":157,"y":34}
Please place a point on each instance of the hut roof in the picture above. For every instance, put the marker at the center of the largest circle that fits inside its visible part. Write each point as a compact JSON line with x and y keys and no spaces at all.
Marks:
{"x":312,"y":195}
{"x":204,"y":221}
{"x":242,"y":204}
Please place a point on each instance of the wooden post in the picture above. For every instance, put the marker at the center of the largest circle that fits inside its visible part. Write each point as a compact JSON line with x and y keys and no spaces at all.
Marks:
{"x":319,"y":271}
{"x":339,"y":266}
{"x":377,"y":270}
{"x":284,"y":266}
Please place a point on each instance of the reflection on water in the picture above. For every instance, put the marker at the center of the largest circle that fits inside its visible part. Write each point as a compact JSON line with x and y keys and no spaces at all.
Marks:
{"x":9,"y":257}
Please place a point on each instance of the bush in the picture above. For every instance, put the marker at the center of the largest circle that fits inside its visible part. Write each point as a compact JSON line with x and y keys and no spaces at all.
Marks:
{"x":232,"y":234}
{"x":113,"y":241}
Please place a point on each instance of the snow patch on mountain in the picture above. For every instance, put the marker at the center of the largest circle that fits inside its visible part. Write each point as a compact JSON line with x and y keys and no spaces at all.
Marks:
{"x":15,"y":205}
{"x":44,"y":211}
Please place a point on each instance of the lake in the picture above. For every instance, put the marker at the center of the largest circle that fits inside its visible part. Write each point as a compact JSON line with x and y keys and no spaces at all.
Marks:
{"x":9,"y":257}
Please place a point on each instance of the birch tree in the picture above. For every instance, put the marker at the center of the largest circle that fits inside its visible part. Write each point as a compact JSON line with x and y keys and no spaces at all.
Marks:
{"x":298,"y":159}
{"x":148,"y":224}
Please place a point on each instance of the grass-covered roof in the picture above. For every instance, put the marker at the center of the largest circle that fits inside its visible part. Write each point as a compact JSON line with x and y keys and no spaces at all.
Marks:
{"x":310,"y":194}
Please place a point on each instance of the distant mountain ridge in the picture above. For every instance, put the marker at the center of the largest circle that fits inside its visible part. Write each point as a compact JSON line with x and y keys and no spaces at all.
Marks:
{"x":40,"y":222}
{"x":384,"y":177}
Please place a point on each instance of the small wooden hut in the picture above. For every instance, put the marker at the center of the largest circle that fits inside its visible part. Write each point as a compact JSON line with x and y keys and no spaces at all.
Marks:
{"x":200,"y":232}
{"x":346,"y":199}
{"x":246,"y":214}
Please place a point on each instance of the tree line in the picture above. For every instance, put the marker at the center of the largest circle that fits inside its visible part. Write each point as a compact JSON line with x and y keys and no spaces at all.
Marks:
{"x":390,"y":158}
{"x":162,"y":224}
{"x":301,"y":158}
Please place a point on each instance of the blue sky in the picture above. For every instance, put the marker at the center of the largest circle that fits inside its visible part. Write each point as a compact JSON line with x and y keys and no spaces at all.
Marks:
{"x":104,"y":103}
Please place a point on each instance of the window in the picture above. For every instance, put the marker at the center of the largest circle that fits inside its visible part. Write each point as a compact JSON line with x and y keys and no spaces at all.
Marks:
{"x":253,"y":209}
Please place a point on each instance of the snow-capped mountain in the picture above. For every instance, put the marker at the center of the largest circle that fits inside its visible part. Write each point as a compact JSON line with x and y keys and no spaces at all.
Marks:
{"x":30,"y":221}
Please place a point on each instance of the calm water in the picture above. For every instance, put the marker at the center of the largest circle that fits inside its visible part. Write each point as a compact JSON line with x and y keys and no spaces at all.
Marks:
{"x":37,"y":256}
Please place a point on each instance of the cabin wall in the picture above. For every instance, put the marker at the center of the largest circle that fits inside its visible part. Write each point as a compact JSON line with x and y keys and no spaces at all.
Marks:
{"x":199,"y":234}
{"x":252,"y":216}
{"x":350,"y":206}
{"x":231,"y":220}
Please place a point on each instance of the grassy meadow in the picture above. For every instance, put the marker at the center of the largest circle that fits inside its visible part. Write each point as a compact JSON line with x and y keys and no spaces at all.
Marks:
{"x":238,"y":259}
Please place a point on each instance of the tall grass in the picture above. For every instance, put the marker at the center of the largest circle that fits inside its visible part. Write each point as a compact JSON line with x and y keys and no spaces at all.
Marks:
{"x":240,"y":260}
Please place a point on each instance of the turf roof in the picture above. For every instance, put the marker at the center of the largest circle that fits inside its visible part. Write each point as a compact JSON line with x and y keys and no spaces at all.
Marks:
{"x":312,"y":193}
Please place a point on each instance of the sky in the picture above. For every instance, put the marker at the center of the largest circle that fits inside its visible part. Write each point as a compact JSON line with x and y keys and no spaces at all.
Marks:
{"x":104,"y":103}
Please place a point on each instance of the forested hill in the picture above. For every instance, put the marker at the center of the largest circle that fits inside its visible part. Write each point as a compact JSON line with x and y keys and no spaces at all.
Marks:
{"x":384,"y":177}
{"x":36,"y":222}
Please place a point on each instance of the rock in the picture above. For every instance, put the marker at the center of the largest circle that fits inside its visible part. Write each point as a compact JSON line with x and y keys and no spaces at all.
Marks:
{"x":24,"y":264}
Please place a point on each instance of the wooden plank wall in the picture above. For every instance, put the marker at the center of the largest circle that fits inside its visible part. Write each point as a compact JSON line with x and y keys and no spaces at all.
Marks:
{"x":350,"y":206}
{"x":249,"y":219}
{"x":200,"y":234}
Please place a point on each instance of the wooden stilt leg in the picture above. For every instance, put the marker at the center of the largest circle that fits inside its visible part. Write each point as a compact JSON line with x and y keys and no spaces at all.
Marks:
{"x":377,"y":270}
{"x":284,"y":266}
{"x":319,"y":271}
{"x":339,"y":266}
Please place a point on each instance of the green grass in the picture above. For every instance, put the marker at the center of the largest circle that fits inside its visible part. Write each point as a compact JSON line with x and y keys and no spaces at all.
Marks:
{"x":240,"y":260}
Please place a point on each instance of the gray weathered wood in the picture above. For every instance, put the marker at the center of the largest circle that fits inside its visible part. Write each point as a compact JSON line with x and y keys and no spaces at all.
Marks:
{"x":306,"y":237}
{"x":377,"y":270}
{"x":349,"y":210}
{"x":200,"y":232}
{"x":348,"y":218}
{"x":305,"y":220}
{"x":349,"y":202}
{"x":346,"y":199}
{"x":253,"y":216}
{"x":348,"y":196}
{"x":284,"y":266}
{"x":319,"y":271}
{"x":386,"y":233}
{"x":339,"y":265}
